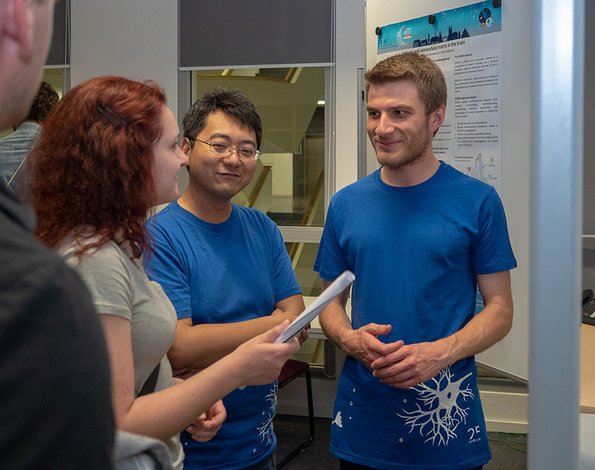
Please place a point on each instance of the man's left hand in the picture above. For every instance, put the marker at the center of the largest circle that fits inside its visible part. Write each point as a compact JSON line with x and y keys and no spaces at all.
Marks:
{"x":410,"y":365}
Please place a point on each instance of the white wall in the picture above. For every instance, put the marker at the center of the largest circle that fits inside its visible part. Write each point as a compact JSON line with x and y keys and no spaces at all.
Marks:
{"x":134,"y":38}
{"x":349,"y":56}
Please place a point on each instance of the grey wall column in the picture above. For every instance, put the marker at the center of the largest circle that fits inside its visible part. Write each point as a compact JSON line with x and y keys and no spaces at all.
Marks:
{"x":362,"y":138}
{"x":556,"y":220}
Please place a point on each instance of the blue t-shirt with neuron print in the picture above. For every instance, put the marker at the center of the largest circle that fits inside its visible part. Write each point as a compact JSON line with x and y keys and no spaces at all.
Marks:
{"x":416,"y":253}
{"x":224,"y":273}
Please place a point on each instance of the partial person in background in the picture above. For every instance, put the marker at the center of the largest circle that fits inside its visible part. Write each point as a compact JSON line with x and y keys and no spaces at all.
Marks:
{"x":421,"y":237}
{"x":227,"y":272}
{"x":15,"y":147}
{"x":107,"y":155}
{"x":55,"y":406}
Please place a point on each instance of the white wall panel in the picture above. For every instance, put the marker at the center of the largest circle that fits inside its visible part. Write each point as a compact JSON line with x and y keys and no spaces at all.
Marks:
{"x":134,"y":38}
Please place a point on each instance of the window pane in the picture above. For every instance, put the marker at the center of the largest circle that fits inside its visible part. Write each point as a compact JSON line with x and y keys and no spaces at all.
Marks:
{"x":55,"y":77}
{"x":316,"y":350}
{"x":302,"y":257}
{"x":288,"y":184}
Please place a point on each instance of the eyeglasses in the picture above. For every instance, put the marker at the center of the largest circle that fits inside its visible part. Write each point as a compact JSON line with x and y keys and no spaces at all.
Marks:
{"x":221,"y":148}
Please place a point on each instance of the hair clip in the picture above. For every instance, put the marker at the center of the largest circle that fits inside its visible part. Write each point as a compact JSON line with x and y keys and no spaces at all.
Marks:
{"x":112,"y":117}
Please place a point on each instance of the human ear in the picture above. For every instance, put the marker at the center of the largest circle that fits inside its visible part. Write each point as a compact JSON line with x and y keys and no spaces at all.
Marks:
{"x":19,"y":26}
{"x":437,"y":117}
{"x":186,"y":146}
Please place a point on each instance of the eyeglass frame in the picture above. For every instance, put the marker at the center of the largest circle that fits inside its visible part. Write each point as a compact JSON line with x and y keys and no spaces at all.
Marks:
{"x":232,"y":149}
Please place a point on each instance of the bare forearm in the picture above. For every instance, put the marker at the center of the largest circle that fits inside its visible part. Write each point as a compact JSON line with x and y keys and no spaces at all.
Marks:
{"x":490,"y":325}
{"x":198,"y":346}
{"x":363,"y":343}
{"x":205,"y":344}
{"x":335,"y":323}
{"x":415,"y":363}
{"x":166,"y":413}
{"x":484,"y":330}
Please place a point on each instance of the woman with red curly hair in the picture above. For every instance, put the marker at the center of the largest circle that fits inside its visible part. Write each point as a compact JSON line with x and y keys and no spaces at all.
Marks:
{"x":108,"y":153}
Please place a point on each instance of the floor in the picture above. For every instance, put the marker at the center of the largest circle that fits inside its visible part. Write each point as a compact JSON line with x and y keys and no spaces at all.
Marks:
{"x":509,"y":450}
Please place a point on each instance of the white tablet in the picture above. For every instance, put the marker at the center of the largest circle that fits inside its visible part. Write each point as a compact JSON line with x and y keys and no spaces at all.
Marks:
{"x":304,"y":318}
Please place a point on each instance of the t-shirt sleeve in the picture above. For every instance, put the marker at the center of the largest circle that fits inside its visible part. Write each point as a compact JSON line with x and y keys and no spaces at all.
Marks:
{"x":330,"y":260}
{"x":492,"y":250}
{"x":165,"y":265}
{"x":108,"y":279}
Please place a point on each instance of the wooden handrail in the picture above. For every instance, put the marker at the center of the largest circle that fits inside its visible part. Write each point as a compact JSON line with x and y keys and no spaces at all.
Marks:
{"x":258,"y":186}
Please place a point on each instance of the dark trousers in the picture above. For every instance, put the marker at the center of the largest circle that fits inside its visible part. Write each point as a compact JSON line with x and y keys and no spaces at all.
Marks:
{"x":345,"y":465}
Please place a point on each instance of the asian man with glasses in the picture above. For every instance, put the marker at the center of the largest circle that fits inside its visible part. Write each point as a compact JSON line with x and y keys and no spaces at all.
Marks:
{"x":227,"y":272}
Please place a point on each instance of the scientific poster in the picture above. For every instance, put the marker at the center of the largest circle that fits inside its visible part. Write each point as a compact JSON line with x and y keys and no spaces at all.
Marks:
{"x":466,"y":44}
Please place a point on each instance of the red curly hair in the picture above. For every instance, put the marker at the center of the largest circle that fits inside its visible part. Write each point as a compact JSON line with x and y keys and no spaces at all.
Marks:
{"x":91,"y":171}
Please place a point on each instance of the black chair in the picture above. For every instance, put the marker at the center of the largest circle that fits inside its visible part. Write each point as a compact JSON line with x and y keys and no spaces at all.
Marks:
{"x":292,"y":369}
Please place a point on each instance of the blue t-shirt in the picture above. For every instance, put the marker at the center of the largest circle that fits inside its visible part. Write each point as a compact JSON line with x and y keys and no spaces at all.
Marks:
{"x":416,"y":252}
{"x":223,"y":273}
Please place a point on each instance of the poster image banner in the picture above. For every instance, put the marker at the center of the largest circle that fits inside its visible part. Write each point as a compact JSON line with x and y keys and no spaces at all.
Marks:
{"x":466,"y":43}
{"x":449,"y":25}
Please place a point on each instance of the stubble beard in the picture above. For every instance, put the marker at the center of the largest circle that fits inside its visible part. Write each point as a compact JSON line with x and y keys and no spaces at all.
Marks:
{"x":415,"y":150}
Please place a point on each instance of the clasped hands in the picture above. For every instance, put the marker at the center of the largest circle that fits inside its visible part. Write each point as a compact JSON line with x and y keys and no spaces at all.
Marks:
{"x":396,"y":364}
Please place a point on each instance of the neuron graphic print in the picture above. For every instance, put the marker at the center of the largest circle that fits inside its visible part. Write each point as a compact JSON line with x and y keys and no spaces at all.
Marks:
{"x":265,"y":430}
{"x":438,"y":411}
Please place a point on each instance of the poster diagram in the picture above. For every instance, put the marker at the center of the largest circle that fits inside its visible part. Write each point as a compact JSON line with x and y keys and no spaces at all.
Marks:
{"x":466,"y":43}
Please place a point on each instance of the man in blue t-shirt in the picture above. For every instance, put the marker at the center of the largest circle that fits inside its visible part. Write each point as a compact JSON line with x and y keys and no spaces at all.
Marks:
{"x":421,"y":237}
{"x":227,"y":272}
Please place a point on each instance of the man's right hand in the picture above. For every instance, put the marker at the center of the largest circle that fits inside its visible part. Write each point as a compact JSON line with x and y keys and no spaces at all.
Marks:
{"x":364,"y":345}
